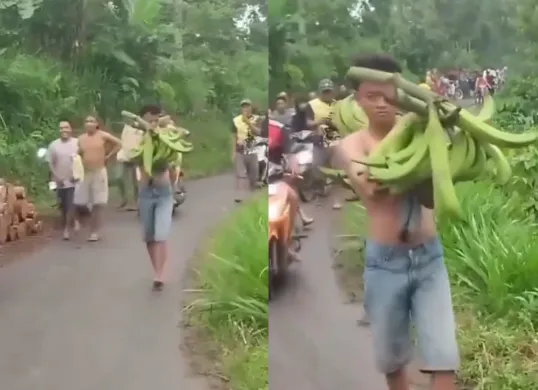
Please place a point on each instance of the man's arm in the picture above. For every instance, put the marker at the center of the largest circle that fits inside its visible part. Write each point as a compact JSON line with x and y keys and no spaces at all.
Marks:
{"x":115,"y":142}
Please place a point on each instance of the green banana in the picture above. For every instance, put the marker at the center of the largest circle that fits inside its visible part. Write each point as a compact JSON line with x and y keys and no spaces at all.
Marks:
{"x":397,"y":171}
{"x":445,"y":197}
{"x":469,"y":156}
{"x":458,"y":153}
{"x":399,"y":136}
{"x":147,"y":153}
{"x":503,"y":171}
{"x":478,"y":166}
{"x":487,"y":133}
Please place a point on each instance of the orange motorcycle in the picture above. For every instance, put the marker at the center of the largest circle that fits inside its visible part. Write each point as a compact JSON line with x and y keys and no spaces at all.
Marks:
{"x":283,"y":235}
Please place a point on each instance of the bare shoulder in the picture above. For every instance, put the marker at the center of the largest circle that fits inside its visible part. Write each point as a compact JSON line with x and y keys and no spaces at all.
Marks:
{"x":103,"y":134}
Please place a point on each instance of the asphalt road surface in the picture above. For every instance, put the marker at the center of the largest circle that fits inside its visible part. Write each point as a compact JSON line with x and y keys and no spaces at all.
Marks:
{"x":82,"y":316}
{"x":314,"y":340}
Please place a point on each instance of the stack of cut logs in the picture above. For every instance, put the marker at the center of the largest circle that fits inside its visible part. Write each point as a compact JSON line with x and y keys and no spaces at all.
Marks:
{"x":18,"y":217}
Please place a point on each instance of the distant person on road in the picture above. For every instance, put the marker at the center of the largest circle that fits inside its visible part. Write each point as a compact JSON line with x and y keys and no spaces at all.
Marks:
{"x":245,"y":127}
{"x":406,"y":281}
{"x":126,"y":169}
{"x":61,"y":155}
{"x":95,"y":147}
{"x":155,"y":204}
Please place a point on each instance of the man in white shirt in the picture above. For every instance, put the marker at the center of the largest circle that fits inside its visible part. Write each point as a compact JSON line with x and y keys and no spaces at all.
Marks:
{"x":130,"y":138}
{"x":60,"y":156}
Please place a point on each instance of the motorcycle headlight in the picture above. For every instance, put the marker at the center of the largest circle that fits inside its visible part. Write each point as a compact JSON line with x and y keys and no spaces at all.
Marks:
{"x":304,"y":157}
{"x":275,"y":209}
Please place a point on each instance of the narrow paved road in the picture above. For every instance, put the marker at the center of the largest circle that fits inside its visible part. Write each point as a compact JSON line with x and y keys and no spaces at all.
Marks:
{"x":314,"y":340}
{"x":83,"y":317}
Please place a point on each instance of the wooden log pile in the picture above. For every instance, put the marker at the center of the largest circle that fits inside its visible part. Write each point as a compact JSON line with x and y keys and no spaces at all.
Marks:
{"x":18,"y":217}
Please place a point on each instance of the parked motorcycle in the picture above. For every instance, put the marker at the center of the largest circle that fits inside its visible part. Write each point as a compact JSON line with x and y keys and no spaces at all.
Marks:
{"x":283,"y":231}
{"x":314,"y":183}
{"x":260,"y":148}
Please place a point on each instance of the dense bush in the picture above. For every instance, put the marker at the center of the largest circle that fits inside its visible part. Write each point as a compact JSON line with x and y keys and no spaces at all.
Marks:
{"x":232,"y":301}
{"x":57,"y":63}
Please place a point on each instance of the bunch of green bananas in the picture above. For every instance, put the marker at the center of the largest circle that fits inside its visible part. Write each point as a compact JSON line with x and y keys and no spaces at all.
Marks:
{"x":160,"y":147}
{"x":347,"y":116}
{"x":443,"y":146}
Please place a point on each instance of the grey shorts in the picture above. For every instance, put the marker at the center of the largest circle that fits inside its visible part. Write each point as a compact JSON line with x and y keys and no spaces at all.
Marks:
{"x":93,"y":189}
{"x":155,"y":204}
{"x":405,"y":287}
{"x":246,"y":167}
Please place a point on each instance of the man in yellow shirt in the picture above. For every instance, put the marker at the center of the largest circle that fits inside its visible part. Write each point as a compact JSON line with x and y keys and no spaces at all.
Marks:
{"x":318,"y":114}
{"x":126,"y":170}
{"x":245,"y":126}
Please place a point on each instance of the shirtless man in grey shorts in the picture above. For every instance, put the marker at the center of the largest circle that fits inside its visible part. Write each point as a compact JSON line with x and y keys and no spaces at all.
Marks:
{"x":95,"y":147}
{"x":405,"y":277}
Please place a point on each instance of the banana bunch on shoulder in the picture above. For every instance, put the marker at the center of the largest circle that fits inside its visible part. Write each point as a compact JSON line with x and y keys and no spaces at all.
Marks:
{"x":347,"y":116}
{"x":162,"y":146}
{"x":438,"y":143}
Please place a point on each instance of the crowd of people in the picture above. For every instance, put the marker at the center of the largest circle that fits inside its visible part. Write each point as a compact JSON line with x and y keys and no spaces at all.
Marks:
{"x":460,"y":83}
{"x":88,"y":193}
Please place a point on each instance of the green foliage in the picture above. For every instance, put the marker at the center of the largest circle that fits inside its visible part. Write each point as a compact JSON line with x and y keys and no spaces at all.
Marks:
{"x":233,"y":294}
{"x":314,"y":40}
{"x":64,"y":59}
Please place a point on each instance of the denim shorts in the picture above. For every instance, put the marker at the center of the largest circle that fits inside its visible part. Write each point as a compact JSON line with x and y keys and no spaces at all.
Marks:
{"x":155,"y":204}
{"x":409,"y":287}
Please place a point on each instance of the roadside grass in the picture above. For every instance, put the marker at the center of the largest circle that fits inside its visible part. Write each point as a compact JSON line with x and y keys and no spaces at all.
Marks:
{"x":493,"y":263}
{"x":230,"y":298}
{"x":211,"y":136}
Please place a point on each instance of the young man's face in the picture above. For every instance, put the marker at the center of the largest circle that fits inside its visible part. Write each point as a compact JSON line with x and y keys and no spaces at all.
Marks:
{"x":375,"y":100}
{"x":327,"y":95}
{"x":90,"y":124}
{"x":65,"y":130}
{"x":152,"y":119}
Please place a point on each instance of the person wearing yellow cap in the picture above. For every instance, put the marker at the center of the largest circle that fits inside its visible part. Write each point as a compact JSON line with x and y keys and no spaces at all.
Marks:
{"x":245,"y":126}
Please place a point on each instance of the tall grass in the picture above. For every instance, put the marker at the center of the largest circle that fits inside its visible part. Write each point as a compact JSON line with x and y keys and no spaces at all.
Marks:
{"x":232,"y":300}
{"x":494,"y":256}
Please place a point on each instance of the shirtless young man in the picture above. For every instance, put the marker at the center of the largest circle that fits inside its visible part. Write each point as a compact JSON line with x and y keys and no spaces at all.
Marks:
{"x":95,"y":148}
{"x":405,"y":277}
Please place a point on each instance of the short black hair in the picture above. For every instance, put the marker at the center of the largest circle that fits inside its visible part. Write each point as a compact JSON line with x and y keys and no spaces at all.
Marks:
{"x":382,"y":62}
{"x":153,"y":109}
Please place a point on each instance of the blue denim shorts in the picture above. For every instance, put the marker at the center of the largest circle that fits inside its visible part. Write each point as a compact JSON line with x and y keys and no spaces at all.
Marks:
{"x":409,"y":287}
{"x":155,"y":204}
